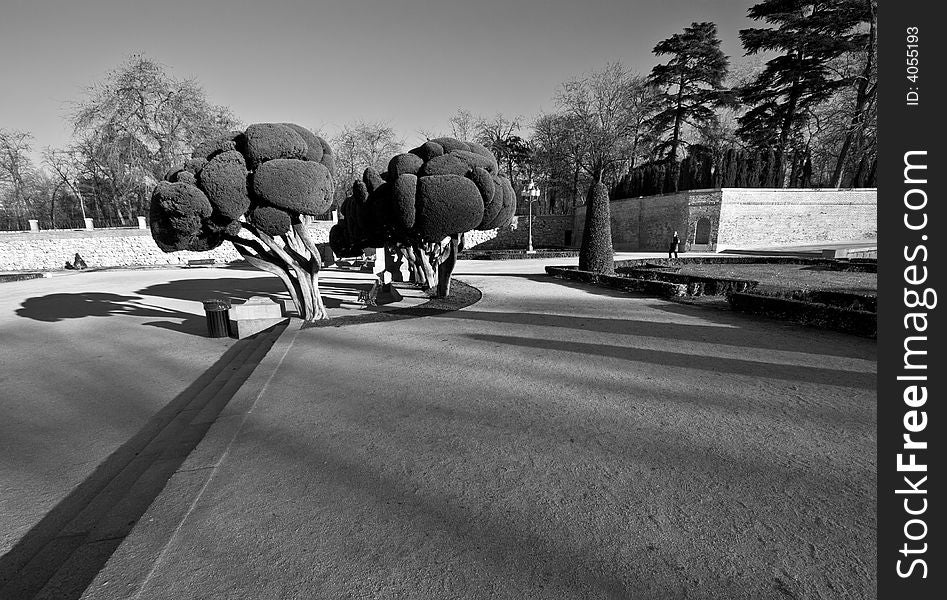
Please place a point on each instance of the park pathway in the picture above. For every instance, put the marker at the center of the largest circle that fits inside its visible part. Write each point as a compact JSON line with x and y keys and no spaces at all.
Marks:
{"x":550,"y":441}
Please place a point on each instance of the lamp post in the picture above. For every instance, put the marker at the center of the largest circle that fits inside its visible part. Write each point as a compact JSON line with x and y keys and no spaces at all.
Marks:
{"x":530,"y":194}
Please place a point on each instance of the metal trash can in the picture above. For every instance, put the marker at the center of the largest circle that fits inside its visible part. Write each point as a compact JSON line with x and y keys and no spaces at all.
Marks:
{"x":218,"y":317}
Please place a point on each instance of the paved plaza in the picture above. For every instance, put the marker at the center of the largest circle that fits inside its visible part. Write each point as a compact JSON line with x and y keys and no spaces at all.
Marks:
{"x":552,"y":440}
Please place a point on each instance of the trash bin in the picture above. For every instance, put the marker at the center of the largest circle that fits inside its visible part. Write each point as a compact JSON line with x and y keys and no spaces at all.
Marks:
{"x":218,"y":317}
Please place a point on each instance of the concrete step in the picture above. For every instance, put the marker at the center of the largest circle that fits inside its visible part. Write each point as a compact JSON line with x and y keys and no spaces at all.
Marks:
{"x":58,"y":559}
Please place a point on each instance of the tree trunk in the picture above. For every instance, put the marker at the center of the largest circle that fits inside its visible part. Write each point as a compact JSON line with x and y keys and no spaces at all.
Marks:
{"x":446,"y":268}
{"x":863,"y":94}
{"x":596,"y":253}
{"x":296,"y":262}
{"x":676,"y":137}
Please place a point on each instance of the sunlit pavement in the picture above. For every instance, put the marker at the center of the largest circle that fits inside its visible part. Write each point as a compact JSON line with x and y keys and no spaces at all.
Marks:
{"x":553,"y":440}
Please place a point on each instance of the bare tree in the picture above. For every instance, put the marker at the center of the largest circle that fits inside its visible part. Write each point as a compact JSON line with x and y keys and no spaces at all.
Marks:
{"x":463,"y":125}
{"x":602,"y":110}
{"x":360,"y":145}
{"x":16,"y":171}
{"x":66,"y":166}
{"x":156,"y":117}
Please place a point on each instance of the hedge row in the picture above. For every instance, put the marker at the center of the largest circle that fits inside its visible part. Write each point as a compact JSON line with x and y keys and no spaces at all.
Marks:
{"x":661,"y":289}
{"x":859,"y":322}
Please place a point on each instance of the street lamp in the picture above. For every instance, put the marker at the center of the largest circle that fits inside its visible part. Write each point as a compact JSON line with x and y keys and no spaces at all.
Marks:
{"x":530,"y":194}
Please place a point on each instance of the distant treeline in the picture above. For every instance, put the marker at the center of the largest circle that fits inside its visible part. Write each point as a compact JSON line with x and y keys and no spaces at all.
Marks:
{"x":733,"y":168}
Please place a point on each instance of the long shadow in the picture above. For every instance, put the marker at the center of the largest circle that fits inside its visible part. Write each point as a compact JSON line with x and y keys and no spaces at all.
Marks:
{"x":61,"y":306}
{"x":749,"y":368}
{"x":236,"y":288}
{"x":711,"y":334}
{"x":53,"y":308}
{"x":497,"y":538}
{"x":146,"y":461}
{"x":719,"y":312}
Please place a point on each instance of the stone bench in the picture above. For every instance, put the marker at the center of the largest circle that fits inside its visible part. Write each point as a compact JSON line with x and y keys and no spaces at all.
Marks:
{"x":201,"y":262}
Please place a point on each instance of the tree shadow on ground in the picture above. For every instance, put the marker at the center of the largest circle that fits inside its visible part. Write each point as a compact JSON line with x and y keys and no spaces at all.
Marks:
{"x":53,"y":308}
{"x":57,"y":307}
{"x":728,"y":333}
{"x":66,"y":549}
{"x":747,"y":368}
{"x":720,"y":314}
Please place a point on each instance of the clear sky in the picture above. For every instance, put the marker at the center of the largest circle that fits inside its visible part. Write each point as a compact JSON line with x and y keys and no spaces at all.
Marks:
{"x":321,"y":64}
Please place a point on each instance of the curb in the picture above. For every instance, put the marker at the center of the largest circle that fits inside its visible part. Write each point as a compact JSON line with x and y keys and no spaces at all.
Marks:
{"x":128,"y":570}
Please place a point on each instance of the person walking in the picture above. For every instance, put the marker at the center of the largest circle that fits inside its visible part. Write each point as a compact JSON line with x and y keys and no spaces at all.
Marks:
{"x":675,"y":242}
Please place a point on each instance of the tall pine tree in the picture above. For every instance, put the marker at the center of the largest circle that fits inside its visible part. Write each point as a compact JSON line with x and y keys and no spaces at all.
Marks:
{"x":691,"y":84}
{"x":808,"y":35}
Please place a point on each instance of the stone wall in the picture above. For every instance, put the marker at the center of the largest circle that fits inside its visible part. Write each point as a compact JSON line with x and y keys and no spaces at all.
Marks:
{"x":772,"y":217}
{"x":49,"y":250}
{"x":549,"y":231}
{"x":644,"y":223}
{"x":740,"y":218}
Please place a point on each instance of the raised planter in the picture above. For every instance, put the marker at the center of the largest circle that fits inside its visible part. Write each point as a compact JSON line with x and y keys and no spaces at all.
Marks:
{"x":859,"y":322}
{"x":697,"y":285}
{"x":661,"y":289}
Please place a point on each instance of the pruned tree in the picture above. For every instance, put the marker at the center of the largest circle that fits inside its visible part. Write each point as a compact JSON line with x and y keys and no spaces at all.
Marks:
{"x":257,"y":190}
{"x":601,"y":109}
{"x":423,"y":204}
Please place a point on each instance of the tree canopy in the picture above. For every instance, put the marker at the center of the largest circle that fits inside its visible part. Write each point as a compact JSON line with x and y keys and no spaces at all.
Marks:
{"x":262,"y":183}
{"x":690,"y":84}
{"x":807,"y":35}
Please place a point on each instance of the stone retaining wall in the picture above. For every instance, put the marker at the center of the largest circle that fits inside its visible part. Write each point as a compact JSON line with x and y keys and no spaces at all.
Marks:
{"x":737,"y":218}
{"x":123,"y":247}
{"x":549,"y":231}
{"x":49,"y":250}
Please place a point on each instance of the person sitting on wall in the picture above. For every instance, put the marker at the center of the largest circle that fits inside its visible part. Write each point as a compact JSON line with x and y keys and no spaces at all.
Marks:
{"x":675,"y":242}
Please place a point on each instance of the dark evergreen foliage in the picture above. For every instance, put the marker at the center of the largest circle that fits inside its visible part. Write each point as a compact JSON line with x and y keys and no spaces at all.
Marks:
{"x":178,"y":213}
{"x":807,"y":36}
{"x":270,"y":219}
{"x":269,"y":141}
{"x":446,"y":205}
{"x":401,"y":164}
{"x":691,"y":84}
{"x":224,"y":180}
{"x":315,"y":146}
{"x":295,"y":185}
{"x":596,"y":253}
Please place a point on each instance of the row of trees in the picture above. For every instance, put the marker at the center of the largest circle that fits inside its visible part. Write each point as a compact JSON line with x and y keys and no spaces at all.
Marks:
{"x":734,"y":168}
{"x":812,"y":104}
{"x":129,"y":130}
{"x":815,"y":97}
